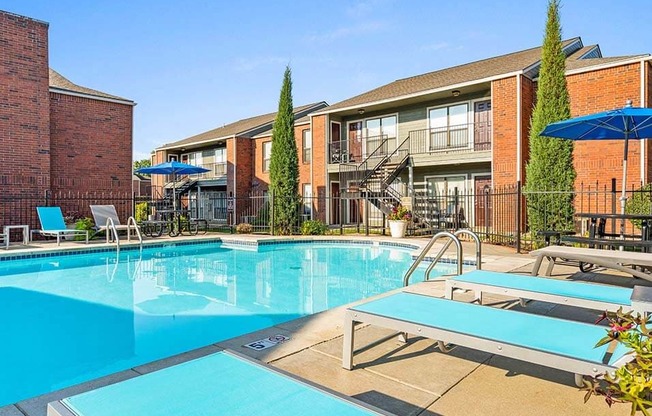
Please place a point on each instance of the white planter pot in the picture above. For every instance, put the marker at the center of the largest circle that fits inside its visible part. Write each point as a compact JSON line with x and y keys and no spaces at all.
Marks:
{"x":397,"y":228}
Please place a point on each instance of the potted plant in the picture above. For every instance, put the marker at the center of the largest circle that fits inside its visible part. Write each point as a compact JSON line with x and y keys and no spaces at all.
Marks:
{"x":398,"y":220}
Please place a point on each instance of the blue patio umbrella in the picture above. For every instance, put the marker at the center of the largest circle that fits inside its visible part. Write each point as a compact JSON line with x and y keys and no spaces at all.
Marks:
{"x":622,"y":124}
{"x":173,"y":168}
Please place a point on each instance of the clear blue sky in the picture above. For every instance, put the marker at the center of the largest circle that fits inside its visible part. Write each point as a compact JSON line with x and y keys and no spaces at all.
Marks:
{"x":195,"y":65}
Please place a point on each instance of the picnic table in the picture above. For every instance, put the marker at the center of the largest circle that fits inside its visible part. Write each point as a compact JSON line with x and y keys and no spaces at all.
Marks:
{"x":599,"y":238}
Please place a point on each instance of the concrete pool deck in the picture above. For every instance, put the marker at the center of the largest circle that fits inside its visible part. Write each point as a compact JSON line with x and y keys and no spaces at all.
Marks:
{"x":406,"y":379}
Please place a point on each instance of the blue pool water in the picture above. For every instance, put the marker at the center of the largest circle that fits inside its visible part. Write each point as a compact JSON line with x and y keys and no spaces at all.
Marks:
{"x":69,"y":319}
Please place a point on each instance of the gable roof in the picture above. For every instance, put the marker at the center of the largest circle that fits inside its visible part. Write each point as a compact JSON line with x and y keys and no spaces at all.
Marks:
{"x":247,"y":127}
{"x":59,"y":83}
{"x":486,"y":68}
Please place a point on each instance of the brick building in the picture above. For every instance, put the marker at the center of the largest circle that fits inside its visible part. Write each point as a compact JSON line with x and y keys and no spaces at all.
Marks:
{"x":463,"y":129}
{"x":426,"y":139}
{"x":56,"y":135}
{"x":237,"y":156}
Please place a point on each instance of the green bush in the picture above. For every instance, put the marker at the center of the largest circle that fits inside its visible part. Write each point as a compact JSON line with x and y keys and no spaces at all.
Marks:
{"x":244,"y":228}
{"x":84,"y":224}
{"x":640,"y":203}
{"x":313,"y":227}
{"x":141,"y":212}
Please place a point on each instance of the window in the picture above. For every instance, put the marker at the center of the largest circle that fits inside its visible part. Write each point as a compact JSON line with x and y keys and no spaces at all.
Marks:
{"x":449,"y":127}
{"x":306,"y":145}
{"x":307,"y":199}
{"x":220,"y":161}
{"x":267,"y":155}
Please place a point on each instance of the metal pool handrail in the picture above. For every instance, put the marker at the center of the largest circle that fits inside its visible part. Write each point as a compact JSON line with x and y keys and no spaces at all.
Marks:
{"x":453,"y":239}
{"x":110,"y":226}
{"x":478,"y":252}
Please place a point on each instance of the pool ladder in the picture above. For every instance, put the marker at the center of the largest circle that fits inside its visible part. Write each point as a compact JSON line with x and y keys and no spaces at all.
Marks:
{"x":112,"y":230}
{"x":453,"y":238}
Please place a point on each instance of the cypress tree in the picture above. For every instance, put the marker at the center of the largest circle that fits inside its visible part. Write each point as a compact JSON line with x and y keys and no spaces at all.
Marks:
{"x":550,"y":174}
{"x":284,"y":163}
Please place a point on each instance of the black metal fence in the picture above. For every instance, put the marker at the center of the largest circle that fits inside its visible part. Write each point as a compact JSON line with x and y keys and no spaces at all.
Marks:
{"x":497,"y":215}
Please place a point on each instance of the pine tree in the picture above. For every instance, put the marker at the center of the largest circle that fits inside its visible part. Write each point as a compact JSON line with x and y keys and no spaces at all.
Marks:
{"x":550,"y":166}
{"x":284,"y":163}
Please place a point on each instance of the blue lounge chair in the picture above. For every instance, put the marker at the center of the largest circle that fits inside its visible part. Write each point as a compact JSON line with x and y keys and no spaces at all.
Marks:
{"x":52,"y":224}
{"x":552,"y":342}
{"x":224,"y":383}
{"x":585,"y":295}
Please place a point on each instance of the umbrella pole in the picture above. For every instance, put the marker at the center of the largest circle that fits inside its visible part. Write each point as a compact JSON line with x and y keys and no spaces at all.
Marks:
{"x":623,"y":195}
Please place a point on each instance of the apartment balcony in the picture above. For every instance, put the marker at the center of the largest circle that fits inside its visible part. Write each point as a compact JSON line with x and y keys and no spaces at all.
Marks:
{"x":357,"y":149}
{"x":462,"y":138}
{"x":215,"y":171}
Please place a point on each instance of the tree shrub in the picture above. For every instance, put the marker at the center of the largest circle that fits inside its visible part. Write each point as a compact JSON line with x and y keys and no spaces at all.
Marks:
{"x":84,"y":224}
{"x":244,"y":228}
{"x":640,"y":203}
{"x":550,"y":175}
{"x":141,"y":212}
{"x":313,"y":227}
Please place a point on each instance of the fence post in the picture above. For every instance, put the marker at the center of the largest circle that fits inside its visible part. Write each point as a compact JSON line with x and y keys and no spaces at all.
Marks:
{"x":271,"y":211}
{"x":366,"y":214}
{"x":518,"y":216}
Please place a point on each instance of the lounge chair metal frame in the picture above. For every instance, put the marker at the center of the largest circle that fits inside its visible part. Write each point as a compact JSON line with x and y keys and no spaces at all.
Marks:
{"x":445,"y":335}
{"x":640,"y":295}
{"x":51,"y":232}
{"x":624,"y":261}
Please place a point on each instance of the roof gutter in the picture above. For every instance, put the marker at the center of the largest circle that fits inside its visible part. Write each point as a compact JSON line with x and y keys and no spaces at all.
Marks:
{"x":421,"y":93}
{"x":610,"y":64}
{"x":90,"y":96}
{"x":168,"y":147}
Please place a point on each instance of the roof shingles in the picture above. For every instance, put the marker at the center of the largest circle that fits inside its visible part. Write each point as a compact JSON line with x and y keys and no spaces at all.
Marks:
{"x":60,"y":82}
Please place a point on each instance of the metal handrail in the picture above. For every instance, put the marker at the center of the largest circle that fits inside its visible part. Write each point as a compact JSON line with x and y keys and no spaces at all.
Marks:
{"x":132,"y":220}
{"x":478,"y":251}
{"x":424,"y":251}
{"x":110,"y":226}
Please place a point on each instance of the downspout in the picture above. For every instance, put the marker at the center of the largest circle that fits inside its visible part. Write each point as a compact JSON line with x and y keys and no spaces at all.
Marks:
{"x":235,"y":173}
{"x":519,"y":144}
{"x":312,"y":178}
{"x":643,"y":143}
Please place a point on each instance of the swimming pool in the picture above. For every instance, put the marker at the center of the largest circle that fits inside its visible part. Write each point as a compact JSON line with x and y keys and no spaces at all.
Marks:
{"x":72,"y":318}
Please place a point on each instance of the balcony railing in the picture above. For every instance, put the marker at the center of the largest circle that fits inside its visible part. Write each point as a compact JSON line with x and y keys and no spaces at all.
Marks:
{"x":355,"y":150}
{"x":216,"y":170}
{"x":459,"y":138}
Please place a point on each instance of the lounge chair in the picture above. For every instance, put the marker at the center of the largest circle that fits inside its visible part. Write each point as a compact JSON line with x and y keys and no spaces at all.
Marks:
{"x":612,"y":259}
{"x":101,"y":214}
{"x":53,"y":225}
{"x":4,"y":239}
{"x":223,"y":383}
{"x":543,"y":340}
{"x":564,"y":292}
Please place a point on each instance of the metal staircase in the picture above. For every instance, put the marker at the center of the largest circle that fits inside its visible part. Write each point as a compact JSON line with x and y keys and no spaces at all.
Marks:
{"x":373,"y":179}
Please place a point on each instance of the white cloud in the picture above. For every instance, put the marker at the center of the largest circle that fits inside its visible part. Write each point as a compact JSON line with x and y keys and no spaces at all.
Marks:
{"x":346,"y":32}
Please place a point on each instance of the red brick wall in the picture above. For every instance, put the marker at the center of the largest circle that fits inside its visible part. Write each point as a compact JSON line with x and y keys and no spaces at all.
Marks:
{"x":504,"y":131}
{"x":528,"y":98}
{"x":597,"y":91}
{"x":648,"y":103}
{"x":243,"y":164}
{"x":90,"y":144}
{"x":24,"y":100}
{"x":319,"y":154}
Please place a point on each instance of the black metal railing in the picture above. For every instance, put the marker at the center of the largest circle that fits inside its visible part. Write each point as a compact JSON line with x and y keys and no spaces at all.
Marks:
{"x":357,"y":149}
{"x":459,"y":138}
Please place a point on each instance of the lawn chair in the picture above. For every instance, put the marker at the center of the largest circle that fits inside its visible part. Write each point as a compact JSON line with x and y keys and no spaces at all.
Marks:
{"x":101,"y":216}
{"x":53,"y":225}
{"x":552,"y":342}
{"x":223,"y":383}
{"x":563,"y":292}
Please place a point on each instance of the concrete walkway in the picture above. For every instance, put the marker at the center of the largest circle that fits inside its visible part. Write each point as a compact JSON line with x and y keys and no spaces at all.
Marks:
{"x":411,"y":378}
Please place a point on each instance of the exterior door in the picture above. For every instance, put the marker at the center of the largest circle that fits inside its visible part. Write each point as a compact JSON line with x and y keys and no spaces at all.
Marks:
{"x":482,"y":203}
{"x":335,"y":202}
{"x":482,"y":126}
{"x":355,"y":142}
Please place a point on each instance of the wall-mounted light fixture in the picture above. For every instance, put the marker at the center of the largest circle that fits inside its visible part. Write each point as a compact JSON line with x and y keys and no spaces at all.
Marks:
{"x":455,"y":93}
{"x":361,"y":111}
